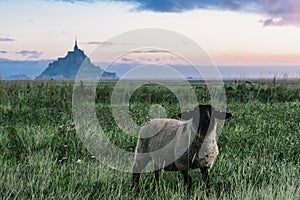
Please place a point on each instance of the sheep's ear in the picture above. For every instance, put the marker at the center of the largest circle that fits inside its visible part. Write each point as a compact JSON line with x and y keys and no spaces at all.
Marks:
{"x":186,"y":115}
{"x":221,"y":115}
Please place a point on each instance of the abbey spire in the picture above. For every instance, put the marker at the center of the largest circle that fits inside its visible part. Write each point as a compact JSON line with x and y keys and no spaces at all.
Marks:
{"x":76,"y":46}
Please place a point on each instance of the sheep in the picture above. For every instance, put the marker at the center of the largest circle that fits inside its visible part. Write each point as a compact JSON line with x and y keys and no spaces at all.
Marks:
{"x":175,"y":145}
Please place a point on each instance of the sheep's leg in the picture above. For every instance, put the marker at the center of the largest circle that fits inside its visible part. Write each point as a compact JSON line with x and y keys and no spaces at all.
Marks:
{"x":205,"y":177}
{"x":187,"y":180}
{"x":136,"y":182}
{"x":156,"y":179}
{"x":139,"y":165}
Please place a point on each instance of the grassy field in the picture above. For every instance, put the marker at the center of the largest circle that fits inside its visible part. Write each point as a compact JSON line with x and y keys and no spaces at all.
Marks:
{"x":42,"y":158}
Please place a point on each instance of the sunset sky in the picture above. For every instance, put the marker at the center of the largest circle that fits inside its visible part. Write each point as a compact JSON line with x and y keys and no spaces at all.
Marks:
{"x":233,"y":32}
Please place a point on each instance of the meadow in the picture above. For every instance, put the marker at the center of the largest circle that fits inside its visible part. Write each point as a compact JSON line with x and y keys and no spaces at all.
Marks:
{"x":41,"y":156}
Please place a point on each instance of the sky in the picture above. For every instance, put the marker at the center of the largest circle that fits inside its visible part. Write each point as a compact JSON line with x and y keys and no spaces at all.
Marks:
{"x":232,"y":32}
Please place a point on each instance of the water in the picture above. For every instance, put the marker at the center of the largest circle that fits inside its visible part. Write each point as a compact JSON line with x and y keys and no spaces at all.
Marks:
{"x":35,"y":68}
{"x":227,"y":72}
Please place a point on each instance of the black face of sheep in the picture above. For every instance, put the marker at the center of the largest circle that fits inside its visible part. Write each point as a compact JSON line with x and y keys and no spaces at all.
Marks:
{"x":203,"y":121}
{"x":202,"y":116}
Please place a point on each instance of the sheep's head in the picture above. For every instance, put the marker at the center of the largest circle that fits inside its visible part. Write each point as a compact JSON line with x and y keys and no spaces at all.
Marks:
{"x":203,"y":115}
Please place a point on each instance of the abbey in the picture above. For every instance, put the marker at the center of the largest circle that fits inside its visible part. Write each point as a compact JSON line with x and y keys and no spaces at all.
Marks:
{"x":68,"y":66}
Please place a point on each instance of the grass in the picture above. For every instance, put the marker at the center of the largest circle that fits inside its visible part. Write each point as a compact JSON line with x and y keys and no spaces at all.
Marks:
{"x":40,"y":151}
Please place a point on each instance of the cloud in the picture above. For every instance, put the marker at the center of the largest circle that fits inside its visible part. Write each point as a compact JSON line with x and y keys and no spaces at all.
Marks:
{"x":30,"y":54}
{"x":183,"y":5}
{"x":124,"y":59}
{"x":74,"y":1}
{"x":178,"y":5}
{"x":281,"y":12}
{"x":3,"y":52}
{"x":99,"y":43}
{"x":150,"y":51}
{"x":6,"y":39}
{"x":145,"y":59}
{"x":278,"y":12}
{"x":107,"y":43}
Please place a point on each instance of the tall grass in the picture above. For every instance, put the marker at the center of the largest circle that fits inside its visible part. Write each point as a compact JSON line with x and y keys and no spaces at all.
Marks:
{"x":41,"y":156}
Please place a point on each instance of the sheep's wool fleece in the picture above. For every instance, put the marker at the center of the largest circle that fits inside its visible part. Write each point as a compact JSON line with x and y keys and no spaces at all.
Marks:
{"x":168,"y":139}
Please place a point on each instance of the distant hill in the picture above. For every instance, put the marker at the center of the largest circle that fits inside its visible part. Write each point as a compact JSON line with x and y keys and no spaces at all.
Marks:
{"x":68,"y":66}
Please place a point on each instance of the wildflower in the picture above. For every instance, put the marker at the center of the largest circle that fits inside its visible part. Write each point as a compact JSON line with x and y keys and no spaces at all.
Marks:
{"x":78,"y":161}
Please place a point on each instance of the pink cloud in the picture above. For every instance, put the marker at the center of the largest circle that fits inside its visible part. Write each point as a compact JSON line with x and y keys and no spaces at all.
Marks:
{"x":281,"y":12}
